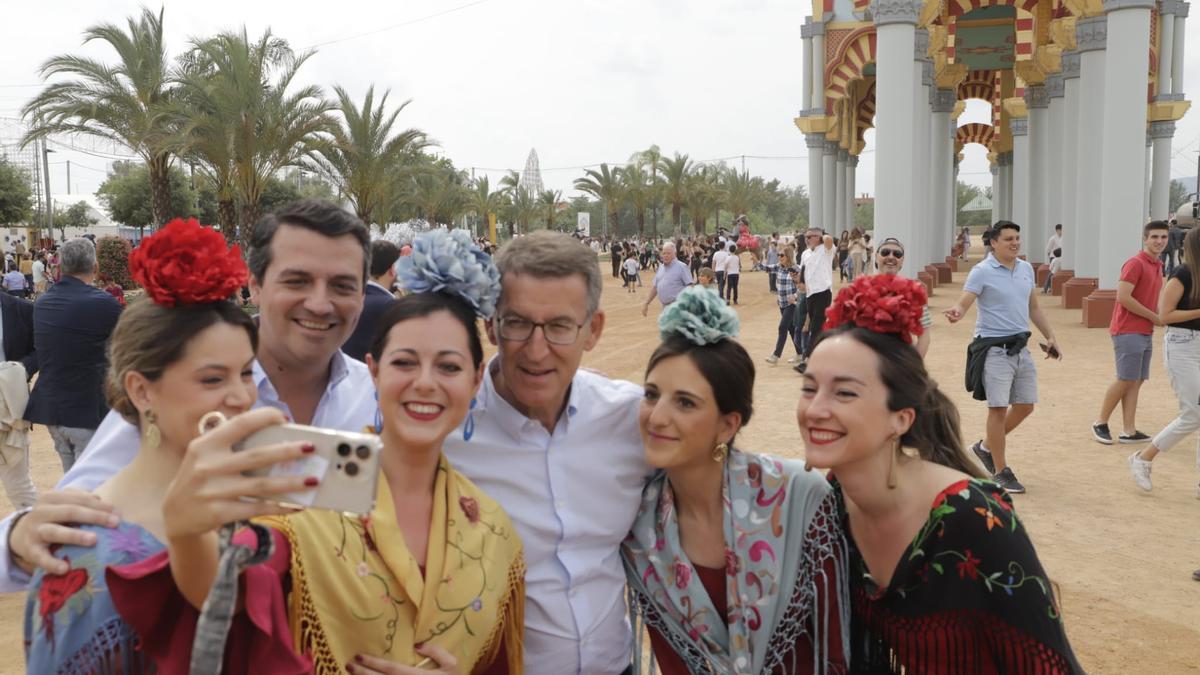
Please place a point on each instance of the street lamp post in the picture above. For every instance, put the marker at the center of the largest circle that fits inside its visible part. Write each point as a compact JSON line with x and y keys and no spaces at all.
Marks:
{"x":49,"y":201}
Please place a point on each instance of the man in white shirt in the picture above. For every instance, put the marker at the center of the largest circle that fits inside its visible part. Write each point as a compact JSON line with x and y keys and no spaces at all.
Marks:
{"x":818,"y":281}
{"x":559,"y":448}
{"x":1055,"y":242}
{"x":718,"y":265}
{"x":308,"y":268}
{"x":733,"y":273}
{"x":40,"y":278}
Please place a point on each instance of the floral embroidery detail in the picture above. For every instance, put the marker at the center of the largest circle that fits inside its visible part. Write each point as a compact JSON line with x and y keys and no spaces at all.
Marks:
{"x":477,"y":604}
{"x":55,"y":591}
{"x":731,"y":563}
{"x":363,"y":569}
{"x":969,"y":566}
{"x":683,"y":575}
{"x":470,"y":508}
{"x":992,"y":520}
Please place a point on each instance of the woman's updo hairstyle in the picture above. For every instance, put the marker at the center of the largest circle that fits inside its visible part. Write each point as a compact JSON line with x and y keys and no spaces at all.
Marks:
{"x":700,"y":326}
{"x":188,"y":274}
{"x":445,"y":272}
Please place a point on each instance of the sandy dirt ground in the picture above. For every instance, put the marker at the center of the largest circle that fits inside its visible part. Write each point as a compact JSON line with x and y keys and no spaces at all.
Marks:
{"x":1122,"y":559}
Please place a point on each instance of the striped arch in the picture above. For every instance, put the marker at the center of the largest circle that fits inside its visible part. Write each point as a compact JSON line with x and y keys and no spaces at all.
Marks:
{"x":978,"y":84}
{"x":976,"y":132}
{"x":853,"y":55}
{"x":866,"y":112}
{"x":960,"y":7}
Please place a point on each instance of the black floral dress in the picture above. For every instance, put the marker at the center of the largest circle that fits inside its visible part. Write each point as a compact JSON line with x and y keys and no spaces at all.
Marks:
{"x":968,"y":595}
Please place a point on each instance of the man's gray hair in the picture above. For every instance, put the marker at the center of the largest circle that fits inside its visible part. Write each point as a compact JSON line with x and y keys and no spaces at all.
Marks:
{"x":669,"y":245}
{"x":78,"y":257}
{"x":551,"y":255}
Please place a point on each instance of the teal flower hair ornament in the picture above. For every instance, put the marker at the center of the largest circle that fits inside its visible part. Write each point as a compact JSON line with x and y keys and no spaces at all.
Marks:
{"x":447,"y":261}
{"x":700,"y":316}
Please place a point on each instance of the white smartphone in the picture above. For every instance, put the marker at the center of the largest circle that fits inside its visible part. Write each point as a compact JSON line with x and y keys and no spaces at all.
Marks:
{"x":346,"y":462}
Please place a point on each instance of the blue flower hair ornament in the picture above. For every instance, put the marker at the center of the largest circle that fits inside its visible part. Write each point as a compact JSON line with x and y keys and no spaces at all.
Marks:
{"x":700,"y":316}
{"x":447,"y":261}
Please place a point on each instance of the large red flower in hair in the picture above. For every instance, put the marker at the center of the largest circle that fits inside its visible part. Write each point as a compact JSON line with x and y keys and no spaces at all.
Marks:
{"x":882,"y":303}
{"x":186,"y":263}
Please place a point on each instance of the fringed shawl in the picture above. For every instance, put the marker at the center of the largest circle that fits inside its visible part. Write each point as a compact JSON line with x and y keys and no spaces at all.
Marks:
{"x":785,"y":565}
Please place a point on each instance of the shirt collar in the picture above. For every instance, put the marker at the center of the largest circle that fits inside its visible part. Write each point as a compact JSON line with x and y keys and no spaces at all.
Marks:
{"x":1149,"y":258}
{"x":338,"y":370}
{"x":372,"y":282}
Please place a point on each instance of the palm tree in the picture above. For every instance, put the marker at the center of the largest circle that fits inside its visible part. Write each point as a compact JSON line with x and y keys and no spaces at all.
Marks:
{"x":267,"y":126}
{"x":548,"y":201}
{"x":439,"y":194}
{"x":703,"y":195}
{"x":122,"y":102}
{"x":651,"y":157}
{"x":743,"y":192}
{"x":522,"y":209}
{"x":605,"y":185}
{"x":675,"y":173}
{"x":636,"y":183}
{"x":363,"y":151}
{"x":482,"y":200}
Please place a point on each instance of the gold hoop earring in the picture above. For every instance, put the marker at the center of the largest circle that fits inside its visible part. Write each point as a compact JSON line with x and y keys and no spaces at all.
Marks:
{"x":720,"y":452}
{"x":891,"y":478}
{"x":151,"y":435}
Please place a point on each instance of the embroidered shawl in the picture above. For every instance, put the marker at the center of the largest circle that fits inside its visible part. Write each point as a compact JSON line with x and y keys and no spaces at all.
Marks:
{"x":356,"y":588}
{"x":785,"y":567}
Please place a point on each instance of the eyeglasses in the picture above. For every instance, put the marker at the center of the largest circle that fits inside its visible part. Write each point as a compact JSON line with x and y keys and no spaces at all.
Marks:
{"x":891,"y":253}
{"x":557,"y":332}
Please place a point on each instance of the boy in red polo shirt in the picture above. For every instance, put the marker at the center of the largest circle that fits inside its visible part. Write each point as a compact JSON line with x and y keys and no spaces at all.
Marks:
{"x":1132,"y":330}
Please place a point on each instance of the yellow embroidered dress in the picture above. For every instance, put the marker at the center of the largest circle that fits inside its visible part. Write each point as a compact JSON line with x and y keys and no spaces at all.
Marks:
{"x":356,"y":589}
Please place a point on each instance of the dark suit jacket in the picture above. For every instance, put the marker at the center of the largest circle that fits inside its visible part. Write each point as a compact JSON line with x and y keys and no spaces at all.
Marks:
{"x":17,"y":315}
{"x":71,"y":325}
{"x":375,"y":304}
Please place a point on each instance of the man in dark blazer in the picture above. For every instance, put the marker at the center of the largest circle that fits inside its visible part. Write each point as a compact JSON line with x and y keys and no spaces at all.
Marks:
{"x":377,"y":299}
{"x":16,"y":327}
{"x":71,"y":325}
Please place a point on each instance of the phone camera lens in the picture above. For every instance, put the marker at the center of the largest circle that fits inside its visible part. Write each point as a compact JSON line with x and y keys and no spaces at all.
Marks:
{"x":363,"y":452}
{"x":351,"y":469}
{"x":343,"y":449}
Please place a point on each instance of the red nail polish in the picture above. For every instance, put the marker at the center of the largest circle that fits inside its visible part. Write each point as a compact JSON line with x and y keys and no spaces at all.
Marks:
{"x":308,"y":448}
{"x":358,"y":658}
{"x":312,"y":481}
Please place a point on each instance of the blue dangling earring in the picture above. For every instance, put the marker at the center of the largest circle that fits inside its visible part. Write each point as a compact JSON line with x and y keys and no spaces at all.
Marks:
{"x":378,"y":415}
{"x":469,"y":427}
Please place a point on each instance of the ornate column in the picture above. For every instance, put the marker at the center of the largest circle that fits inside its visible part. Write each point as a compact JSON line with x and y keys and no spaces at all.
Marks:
{"x":851,"y":171}
{"x":942,"y":170}
{"x":1181,"y":13}
{"x":816,"y":150}
{"x":839,"y":191}
{"x":1020,"y":127}
{"x":1123,"y":152}
{"x":1055,"y":89}
{"x":1004,"y":160}
{"x":896,"y":88}
{"x":1038,"y":102}
{"x":1160,"y":179}
{"x":1166,"y":42}
{"x":922,"y":222}
{"x":995,"y":169}
{"x":829,"y":186}
{"x":806,"y":34}
{"x":1070,"y":169}
{"x":1090,"y":38}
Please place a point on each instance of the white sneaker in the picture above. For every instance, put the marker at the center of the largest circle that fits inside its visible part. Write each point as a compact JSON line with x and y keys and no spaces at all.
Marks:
{"x":772,"y":359}
{"x":793,"y":359}
{"x":1140,"y":469}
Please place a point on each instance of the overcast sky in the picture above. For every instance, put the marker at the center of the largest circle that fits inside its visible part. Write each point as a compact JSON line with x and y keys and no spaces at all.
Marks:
{"x":582,"y":81}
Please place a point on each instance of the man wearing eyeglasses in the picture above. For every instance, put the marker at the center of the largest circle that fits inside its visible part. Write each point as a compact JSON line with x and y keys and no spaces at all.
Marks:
{"x":670,"y":279}
{"x":818,"y":281}
{"x":889,"y":258}
{"x":559,"y":448}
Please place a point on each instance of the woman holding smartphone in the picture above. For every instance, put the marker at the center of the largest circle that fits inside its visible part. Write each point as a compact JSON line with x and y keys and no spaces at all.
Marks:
{"x":433,"y":577}
{"x":179,"y":353}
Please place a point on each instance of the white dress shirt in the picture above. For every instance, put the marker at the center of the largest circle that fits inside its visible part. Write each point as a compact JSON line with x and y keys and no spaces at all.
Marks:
{"x":347,"y":404}
{"x":733,"y":264}
{"x":718,"y":261}
{"x":818,"y":269}
{"x":572,"y":495}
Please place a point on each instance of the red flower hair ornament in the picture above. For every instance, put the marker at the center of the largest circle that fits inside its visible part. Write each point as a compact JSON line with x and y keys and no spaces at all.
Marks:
{"x":186,"y":263}
{"x":881,"y":303}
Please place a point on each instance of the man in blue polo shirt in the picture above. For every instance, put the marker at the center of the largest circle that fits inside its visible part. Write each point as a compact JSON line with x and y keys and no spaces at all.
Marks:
{"x":1004,"y":286}
{"x":670,"y":279}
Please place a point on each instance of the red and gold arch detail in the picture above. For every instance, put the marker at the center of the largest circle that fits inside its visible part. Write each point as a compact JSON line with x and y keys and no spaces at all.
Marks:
{"x":976,"y":132}
{"x":853,"y":54}
{"x":977,"y":84}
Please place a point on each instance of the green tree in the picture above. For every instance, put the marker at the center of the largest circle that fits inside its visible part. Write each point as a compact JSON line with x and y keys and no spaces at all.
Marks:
{"x":675,"y":172}
{"x":16,"y":197}
{"x":638,"y":192}
{"x":651,"y":158}
{"x":127,"y":195}
{"x":268,"y":123}
{"x":76,"y":215}
{"x":743,"y":192}
{"x":964,"y":193}
{"x":125,"y":102}
{"x":365,"y":149}
{"x":548,"y":202}
{"x":276,"y":193}
{"x":704,"y":195}
{"x":1177,"y":197}
{"x":607,"y":186}
{"x":482,"y":200}
{"x":522,"y":209}
{"x":438,"y":194}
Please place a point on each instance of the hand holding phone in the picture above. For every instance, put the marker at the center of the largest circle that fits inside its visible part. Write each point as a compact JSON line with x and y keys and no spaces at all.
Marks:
{"x":1051,"y":351}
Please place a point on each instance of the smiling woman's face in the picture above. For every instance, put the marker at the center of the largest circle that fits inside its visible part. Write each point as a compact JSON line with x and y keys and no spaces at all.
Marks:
{"x":679,"y":418}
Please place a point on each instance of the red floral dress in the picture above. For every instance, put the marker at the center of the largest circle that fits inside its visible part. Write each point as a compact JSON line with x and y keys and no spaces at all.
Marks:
{"x":968,"y":595}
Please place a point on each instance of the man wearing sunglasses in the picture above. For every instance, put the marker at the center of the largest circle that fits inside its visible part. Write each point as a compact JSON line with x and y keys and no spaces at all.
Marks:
{"x":889,"y":258}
